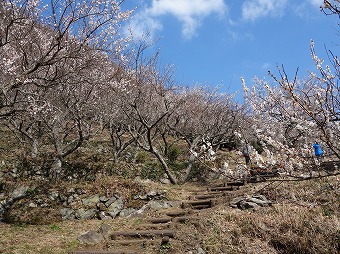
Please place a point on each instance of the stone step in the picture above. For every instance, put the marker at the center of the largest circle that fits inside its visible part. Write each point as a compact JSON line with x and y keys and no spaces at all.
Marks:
{"x":185,"y":219}
{"x":176,"y":213}
{"x":237,"y":183}
{"x":200,"y":207}
{"x":167,"y":220}
{"x":160,"y":220}
{"x":142,"y":233}
{"x":196,"y":203}
{"x":153,"y":226}
{"x":140,"y":242}
{"x":103,"y":252}
{"x":140,"y":245}
{"x":224,"y":188}
{"x":207,"y":195}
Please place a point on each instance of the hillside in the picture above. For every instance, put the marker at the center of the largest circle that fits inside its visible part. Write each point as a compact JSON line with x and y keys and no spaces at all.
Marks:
{"x":301,"y":217}
{"x":98,"y":200}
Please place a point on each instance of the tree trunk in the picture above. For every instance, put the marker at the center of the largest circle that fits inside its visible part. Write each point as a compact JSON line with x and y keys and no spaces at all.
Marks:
{"x":34,"y":153}
{"x":187,"y":172}
{"x":172,"y":178}
{"x":56,"y":169}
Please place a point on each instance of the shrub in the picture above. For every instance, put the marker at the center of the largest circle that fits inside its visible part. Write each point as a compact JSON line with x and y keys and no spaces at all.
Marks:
{"x":173,"y":153}
{"x":151,"y":170}
{"x":141,"y":157}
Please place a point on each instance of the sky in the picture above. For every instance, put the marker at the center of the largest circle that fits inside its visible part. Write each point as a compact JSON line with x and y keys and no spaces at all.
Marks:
{"x":216,"y":42}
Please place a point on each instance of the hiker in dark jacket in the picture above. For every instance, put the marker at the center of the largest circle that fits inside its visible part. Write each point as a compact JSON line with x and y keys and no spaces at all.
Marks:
{"x":246,"y":152}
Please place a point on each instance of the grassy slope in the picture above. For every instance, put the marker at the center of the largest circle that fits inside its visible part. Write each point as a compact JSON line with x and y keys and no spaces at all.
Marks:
{"x":303,"y":219}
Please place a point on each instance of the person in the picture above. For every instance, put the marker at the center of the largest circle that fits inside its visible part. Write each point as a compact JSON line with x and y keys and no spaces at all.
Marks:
{"x":246,"y":152}
{"x":317,"y":149}
{"x":317,"y":152}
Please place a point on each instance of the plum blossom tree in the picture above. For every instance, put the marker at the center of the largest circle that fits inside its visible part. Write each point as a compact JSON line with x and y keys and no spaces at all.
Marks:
{"x":301,"y":110}
{"x":35,"y":38}
{"x":55,"y":61}
{"x":111,"y":111}
{"x":331,"y":7}
{"x":203,"y":117}
{"x":293,"y":113}
{"x":147,"y":102}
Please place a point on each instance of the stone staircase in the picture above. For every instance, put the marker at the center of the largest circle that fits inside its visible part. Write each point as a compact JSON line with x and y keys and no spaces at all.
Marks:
{"x":154,"y":234}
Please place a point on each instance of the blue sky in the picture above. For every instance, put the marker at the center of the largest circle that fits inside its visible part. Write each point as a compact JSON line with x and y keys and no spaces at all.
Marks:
{"x":215,"y":42}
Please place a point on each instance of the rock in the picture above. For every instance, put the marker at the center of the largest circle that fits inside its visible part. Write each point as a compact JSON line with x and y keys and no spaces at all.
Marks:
{"x":67,"y":214}
{"x":110,"y":201}
{"x":103,"y":216}
{"x":261,"y":197}
{"x":90,"y":201}
{"x":258,"y":201}
{"x":115,"y":208}
{"x":2,"y":212}
{"x":247,"y":205}
{"x":157,"y":205}
{"x":236,"y":201}
{"x":165,"y":181}
{"x":70,"y":199}
{"x":152,"y":195}
{"x":32,"y":205}
{"x":127,"y":212}
{"x":91,"y":237}
{"x":104,"y":229}
{"x":103,"y":199}
{"x":79,"y":191}
{"x":252,"y":202}
{"x":18,"y":193}
{"x":53,"y":195}
{"x":83,"y":214}
{"x":62,"y":197}
{"x":200,"y":251}
{"x":142,"y":210}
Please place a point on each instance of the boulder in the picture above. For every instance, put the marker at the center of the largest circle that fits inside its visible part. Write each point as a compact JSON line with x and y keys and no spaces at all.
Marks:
{"x":127,"y":212}
{"x":110,"y":201}
{"x":83,"y":214}
{"x":19,"y":192}
{"x":90,"y":201}
{"x":250,"y":202}
{"x":67,"y":214}
{"x":114,"y":209}
{"x":243,"y":205}
{"x":91,"y":237}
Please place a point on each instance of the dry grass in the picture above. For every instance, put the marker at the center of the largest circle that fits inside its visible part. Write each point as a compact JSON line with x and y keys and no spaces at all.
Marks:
{"x":278,"y":229}
{"x":303,"y":219}
{"x":296,"y":223}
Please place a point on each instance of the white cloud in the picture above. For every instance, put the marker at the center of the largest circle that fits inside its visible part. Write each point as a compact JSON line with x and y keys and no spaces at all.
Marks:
{"x":306,"y":9}
{"x":316,"y":3}
{"x":142,"y":24}
{"x":190,"y":12}
{"x":184,"y":8}
{"x":254,"y":9}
